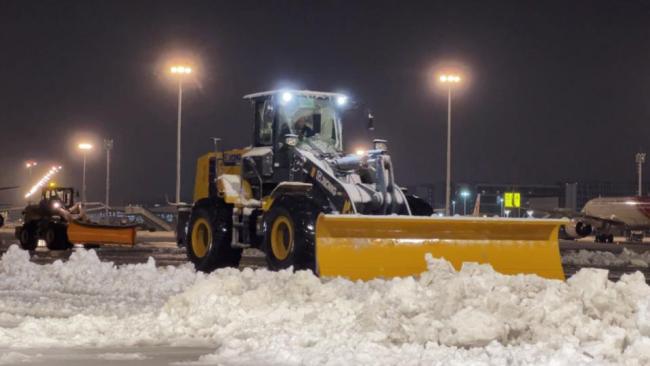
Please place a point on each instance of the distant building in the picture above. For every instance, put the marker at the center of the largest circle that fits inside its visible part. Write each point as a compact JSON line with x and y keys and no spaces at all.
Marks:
{"x":542,"y":197}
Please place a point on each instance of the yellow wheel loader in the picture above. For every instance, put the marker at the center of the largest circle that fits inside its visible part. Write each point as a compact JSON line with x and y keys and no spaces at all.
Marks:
{"x":297,"y":196}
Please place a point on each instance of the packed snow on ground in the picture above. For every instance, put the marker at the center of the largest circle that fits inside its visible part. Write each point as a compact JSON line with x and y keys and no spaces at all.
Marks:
{"x":121,"y":356}
{"x":595,"y":258}
{"x":13,"y":358}
{"x":252,"y":317}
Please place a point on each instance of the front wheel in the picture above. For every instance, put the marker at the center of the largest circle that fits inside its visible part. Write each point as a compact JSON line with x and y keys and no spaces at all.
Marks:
{"x":56,"y":237}
{"x":209,"y":236}
{"x":289,"y":238}
{"x":27,"y":236}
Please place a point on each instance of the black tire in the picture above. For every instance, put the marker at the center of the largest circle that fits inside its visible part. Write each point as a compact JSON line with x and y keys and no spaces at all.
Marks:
{"x":27,"y":236}
{"x":56,"y":237}
{"x":289,"y":234}
{"x":2,"y":221}
{"x":419,"y":207}
{"x":605,"y":238}
{"x":209,"y":237}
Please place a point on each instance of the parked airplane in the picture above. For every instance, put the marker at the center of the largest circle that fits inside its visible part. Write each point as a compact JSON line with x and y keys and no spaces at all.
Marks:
{"x":604,"y":216}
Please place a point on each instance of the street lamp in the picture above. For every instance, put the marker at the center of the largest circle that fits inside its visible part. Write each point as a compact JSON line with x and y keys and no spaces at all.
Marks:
{"x":84,"y":147}
{"x":640,"y":160}
{"x":180,"y":71}
{"x":453,"y":205}
{"x":108,"y":146}
{"x":464,"y":194}
{"x":500,"y":206}
{"x":449,"y":80}
{"x":29,"y":164}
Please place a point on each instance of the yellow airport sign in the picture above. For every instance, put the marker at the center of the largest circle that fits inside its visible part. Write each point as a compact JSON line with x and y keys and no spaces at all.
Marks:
{"x":512,"y":199}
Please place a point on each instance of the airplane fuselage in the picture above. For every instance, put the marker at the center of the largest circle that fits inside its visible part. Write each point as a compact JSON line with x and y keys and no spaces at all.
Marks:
{"x":633,"y":212}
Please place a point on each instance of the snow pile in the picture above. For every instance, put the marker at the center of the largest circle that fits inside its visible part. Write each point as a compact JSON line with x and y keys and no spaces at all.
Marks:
{"x":282,"y":318}
{"x":595,"y":258}
{"x":84,"y":284}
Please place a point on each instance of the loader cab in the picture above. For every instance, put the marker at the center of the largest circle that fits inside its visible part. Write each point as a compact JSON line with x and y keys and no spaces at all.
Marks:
{"x":315,"y":117}
{"x":312,"y":119}
{"x":63,"y":197}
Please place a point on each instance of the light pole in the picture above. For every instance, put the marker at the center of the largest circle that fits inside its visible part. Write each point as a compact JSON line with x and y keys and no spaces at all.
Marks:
{"x":180,"y":71}
{"x":108,"y":146}
{"x":29,"y":164}
{"x":500,"y":206}
{"x":84,"y":147}
{"x":448,"y":80}
{"x":640,"y":160}
{"x":464,"y":194}
{"x":453,"y":205}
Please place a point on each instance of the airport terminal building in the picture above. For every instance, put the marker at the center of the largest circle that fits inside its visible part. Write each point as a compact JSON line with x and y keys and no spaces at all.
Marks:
{"x":499,"y":199}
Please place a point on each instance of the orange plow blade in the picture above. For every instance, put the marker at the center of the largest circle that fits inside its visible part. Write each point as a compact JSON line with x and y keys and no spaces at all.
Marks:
{"x":89,"y":233}
{"x":366,"y":247}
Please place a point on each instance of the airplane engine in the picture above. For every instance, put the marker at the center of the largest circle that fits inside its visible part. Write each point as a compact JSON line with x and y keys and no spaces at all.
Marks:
{"x":577,"y":229}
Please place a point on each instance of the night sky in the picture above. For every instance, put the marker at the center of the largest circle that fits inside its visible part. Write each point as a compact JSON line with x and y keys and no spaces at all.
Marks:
{"x":555,"y":90}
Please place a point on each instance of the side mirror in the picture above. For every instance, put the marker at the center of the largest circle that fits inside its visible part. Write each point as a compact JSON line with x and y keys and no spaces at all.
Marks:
{"x":371,"y":121}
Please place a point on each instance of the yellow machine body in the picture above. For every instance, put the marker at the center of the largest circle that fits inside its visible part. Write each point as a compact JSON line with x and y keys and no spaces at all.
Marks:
{"x":366,"y":247}
{"x":86,"y":233}
{"x":202,"y":177}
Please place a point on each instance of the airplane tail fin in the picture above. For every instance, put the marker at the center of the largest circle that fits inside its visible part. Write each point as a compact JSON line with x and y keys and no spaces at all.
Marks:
{"x":477,"y":206}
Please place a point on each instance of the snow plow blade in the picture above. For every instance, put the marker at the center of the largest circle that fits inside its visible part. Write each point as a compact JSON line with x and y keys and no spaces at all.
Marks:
{"x":89,"y":233}
{"x":367,"y":247}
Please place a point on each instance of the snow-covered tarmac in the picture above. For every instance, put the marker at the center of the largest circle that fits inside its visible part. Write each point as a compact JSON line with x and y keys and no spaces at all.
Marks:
{"x":256,"y":317}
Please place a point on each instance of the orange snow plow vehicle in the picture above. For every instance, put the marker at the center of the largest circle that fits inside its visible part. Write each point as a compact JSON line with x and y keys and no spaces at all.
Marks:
{"x":60,"y":222}
{"x":298,"y":197}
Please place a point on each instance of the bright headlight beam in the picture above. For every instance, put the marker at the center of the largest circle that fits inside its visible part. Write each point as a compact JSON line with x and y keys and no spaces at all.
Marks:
{"x":287,"y":97}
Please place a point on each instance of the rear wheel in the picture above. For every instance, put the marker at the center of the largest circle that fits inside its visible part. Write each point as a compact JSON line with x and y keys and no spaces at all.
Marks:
{"x":209,"y":236}
{"x":289,"y":238}
{"x":56,"y":237}
{"x":27,"y":237}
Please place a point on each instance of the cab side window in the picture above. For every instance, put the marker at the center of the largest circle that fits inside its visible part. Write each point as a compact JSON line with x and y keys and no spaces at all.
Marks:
{"x":263,"y":123}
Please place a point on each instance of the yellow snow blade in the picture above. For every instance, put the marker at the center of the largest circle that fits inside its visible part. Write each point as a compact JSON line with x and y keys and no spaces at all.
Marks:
{"x":87,"y":233}
{"x":366,"y":247}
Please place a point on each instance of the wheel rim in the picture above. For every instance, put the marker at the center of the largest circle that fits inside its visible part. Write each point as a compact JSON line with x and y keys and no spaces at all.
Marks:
{"x":282,"y":237}
{"x":201,"y":237}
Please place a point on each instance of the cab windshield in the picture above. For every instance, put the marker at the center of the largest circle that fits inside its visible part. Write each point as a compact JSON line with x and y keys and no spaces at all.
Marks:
{"x":315,"y":120}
